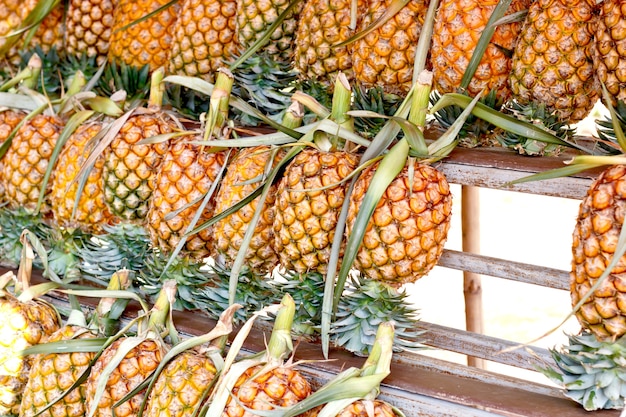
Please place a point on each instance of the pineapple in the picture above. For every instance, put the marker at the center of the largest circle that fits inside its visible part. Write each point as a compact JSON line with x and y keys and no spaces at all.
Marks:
{"x":242,"y":178}
{"x":311,"y":193}
{"x":88,"y":28}
{"x":128,"y":361}
{"x":458,"y":26}
{"x":9,"y":119}
{"x":255,"y":17}
{"x":594,"y":241}
{"x":130,"y":168}
{"x":553,"y":63}
{"x":361,"y":399}
{"x":183,"y":385}
{"x":405,"y":236}
{"x":187,"y":174}
{"x":609,"y":54}
{"x":265,"y":382}
{"x":26,"y":321}
{"x":385,"y":56}
{"x":26,"y":161}
{"x":323,"y":24}
{"x":18,"y":15}
{"x":204,"y":36}
{"x":140,"y":42}
{"x":52,"y":374}
{"x":91,"y":211}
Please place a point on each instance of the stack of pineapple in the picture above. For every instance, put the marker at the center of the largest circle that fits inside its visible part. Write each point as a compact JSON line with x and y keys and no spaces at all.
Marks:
{"x":209,"y":213}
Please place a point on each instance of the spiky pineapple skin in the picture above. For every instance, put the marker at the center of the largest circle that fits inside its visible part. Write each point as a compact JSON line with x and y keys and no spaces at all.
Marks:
{"x":54,"y":373}
{"x":88,"y":28}
{"x":26,"y":161}
{"x":181,"y":386}
{"x":248,"y":164}
{"x":91,"y":211}
{"x":187,"y":174}
{"x":130,"y":169}
{"x":306,"y":212}
{"x":458,"y":26}
{"x":595,"y":237}
{"x":22,"y":325}
{"x":204,"y":36}
{"x":609,"y":58}
{"x":552,"y":62}
{"x":9,"y":119}
{"x":254,"y":17}
{"x":136,"y":366}
{"x":405,"y":236}
{"x":385,"y":56}
{"x":281,"y":386}
{"x":322,"y":24}
{"x":146,"y":42}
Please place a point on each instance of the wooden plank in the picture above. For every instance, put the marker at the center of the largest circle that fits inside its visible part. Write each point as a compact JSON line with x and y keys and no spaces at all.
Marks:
{"x":483,"y":346}
{"x":501,"y":268}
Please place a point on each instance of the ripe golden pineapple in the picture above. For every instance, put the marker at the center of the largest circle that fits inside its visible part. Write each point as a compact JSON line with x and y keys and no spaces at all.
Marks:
{"x":458,"y":26}
{"x":385,"y":56}
{"x":91,"y":212}
{"x":130,"y":364}
{"x":248,"y":165}
{"x":26,"y":321}
{"x":552,"y":63}
{"x":204,"y":36}
{"x":54,"y":373}
{"x":88,"y":28}
{"x":185,"y":177}
{"x":406,"y":234}
{"x":322,"y":24}
{"x":595,"y":238}
{"x":134,"y":368}
{"x":306,"y":212}
{"x":281,"y":386}
{"x":9,"y":119}
{"x":609,"y":56}
{"x":13,"y":16}
{"x":254,"y":17}
{"x":26,"y":161}
{"x":144,"y":43}
{"x":24,"y":324}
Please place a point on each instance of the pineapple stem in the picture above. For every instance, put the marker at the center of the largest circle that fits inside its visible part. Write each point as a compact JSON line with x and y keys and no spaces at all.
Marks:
{"x":379,"y":359}
{"x":157,"y":88}
{"x":293,"y":115}
{"x":342,"y":96}
{"x":218,"y":105}
{"x":25,"y":269}
{"x":28,"y":76}
{"x":162,"y":306}
{"x":77,"y":316}
{"x":280,"y":342}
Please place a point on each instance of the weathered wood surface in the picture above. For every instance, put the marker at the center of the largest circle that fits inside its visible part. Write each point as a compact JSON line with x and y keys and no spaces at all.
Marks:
{"x":495,"y":168}
{"x":502,"y":268}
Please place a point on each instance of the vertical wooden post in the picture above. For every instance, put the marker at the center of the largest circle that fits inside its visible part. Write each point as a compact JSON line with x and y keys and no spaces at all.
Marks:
{"x":472,"y":289}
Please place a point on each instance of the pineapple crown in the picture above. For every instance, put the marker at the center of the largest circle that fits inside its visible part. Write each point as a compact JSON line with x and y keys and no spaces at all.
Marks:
{"x":364,"y":305}
{"x":539,"y":115}
{"x":592,"y":373}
